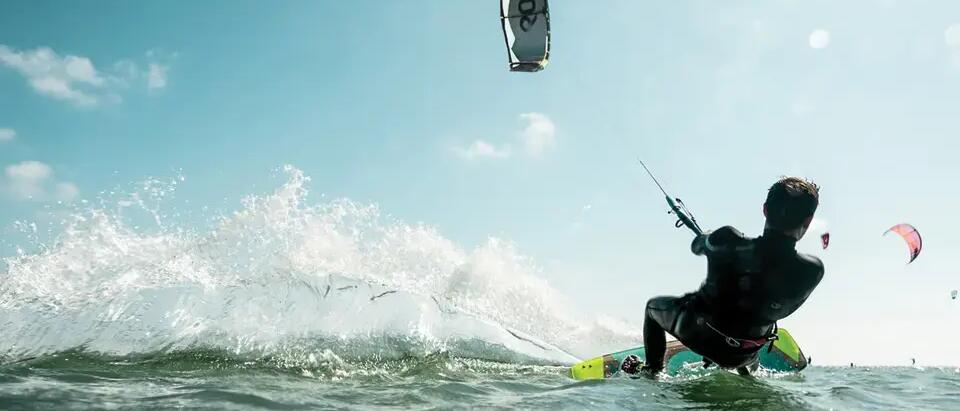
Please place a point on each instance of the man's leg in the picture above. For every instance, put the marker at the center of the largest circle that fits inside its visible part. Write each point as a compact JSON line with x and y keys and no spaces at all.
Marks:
{"x":660,"y":316}
{"x":654,"y":344}
{"x":750,"y":368}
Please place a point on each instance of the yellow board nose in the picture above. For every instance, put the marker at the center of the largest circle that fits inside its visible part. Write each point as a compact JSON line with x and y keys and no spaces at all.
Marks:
{"x":591,"y":369}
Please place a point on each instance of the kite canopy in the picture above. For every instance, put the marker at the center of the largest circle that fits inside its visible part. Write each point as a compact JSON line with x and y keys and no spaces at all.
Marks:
{"x":526,"y":29}
{"x":911,"y":236}
{"x":953,"y":294}
{"x":825,"y":240}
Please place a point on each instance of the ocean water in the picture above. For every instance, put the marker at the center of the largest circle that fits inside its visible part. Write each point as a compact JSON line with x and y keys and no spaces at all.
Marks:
{"x":220,"y":380}
{"x":288,"y":304}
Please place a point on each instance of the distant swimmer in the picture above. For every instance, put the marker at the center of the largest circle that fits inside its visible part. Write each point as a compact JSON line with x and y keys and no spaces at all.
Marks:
{"x":913,"y":361}
{"x":851,"y":365}
{"x":751,"y":284}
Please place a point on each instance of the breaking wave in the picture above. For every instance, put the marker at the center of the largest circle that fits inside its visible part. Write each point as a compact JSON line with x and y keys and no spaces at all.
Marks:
{"x":281,"y":278}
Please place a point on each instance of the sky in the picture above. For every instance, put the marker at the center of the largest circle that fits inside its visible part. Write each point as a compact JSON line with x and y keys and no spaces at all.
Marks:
{"x":410,"y":105}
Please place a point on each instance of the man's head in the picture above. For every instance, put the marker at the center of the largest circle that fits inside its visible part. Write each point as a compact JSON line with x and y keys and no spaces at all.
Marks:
{"x":790,"y":205}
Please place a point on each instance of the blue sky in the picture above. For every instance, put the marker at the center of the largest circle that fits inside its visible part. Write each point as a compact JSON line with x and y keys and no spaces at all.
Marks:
{"x":410,"y":105}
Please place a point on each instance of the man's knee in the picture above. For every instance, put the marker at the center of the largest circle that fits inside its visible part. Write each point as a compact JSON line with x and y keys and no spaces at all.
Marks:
{"x":661,"y":303}
{"x":663,"y":311}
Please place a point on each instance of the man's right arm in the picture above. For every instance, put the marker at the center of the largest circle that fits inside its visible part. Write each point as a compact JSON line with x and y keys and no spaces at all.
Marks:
{"x":714,"y":243}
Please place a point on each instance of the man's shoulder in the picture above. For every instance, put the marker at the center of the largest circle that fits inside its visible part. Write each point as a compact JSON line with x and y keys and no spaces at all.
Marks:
{"x":720,"y":242}
{"x":812,"y":265}
{"x":727,"y":236}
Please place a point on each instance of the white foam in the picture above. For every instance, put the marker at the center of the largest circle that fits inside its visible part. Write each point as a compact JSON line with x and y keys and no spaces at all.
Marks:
{"x":279,"y":272}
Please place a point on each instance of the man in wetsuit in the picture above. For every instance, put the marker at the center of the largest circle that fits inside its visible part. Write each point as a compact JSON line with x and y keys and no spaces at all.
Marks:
{"x":751,"y":284}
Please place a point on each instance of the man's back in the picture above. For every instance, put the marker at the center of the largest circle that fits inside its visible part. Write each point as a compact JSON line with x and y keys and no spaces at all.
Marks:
{"x":753,"y":282}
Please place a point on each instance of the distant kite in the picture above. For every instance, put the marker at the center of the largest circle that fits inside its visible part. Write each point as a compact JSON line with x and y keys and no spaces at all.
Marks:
{"x":911,"y":236}
{"x":953,"y":294}
{"x":825,"y":240}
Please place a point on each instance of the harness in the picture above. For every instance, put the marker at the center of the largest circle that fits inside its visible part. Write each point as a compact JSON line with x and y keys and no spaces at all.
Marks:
{"x":746,"y":344}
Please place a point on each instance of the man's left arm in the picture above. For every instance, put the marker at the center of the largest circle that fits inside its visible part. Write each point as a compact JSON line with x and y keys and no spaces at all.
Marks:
{"x":814,"y":275}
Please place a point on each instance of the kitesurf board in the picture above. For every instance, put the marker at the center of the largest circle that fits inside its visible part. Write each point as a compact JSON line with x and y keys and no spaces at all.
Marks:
{"x":783,"y":355}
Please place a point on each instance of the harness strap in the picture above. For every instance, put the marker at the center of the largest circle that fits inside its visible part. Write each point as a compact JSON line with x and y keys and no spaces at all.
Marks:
{"x":746,"y":343}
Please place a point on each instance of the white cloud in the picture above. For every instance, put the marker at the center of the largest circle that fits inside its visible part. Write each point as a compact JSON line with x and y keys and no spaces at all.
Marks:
{"x":66,"y":191}
{"x":819,"y":39}
{"x":156,"y":76}
{"x":7,"y":134}
{"x":67,"y":78}
{"x":76,"y":80}
{"x":29,"y":170}
{"x":61,"y":89}
{"x":26,"y":180}
{"x":538,"y":133}
{"x":32,"y":180}
{"x":125,"y":72}
{"x":483,"y":149}
{"x":80,"y":69}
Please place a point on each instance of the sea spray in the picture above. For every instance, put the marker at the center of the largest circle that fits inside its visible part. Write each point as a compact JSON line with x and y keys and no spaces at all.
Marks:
{"x":280,"y":276}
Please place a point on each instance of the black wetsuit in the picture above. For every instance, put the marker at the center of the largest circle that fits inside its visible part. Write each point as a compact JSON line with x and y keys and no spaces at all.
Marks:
{"x":751,"y":283}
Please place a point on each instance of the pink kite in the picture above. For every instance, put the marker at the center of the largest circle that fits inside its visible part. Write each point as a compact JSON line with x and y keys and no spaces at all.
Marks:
{"x":911,"y":236}
{"x":825,"y":240}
